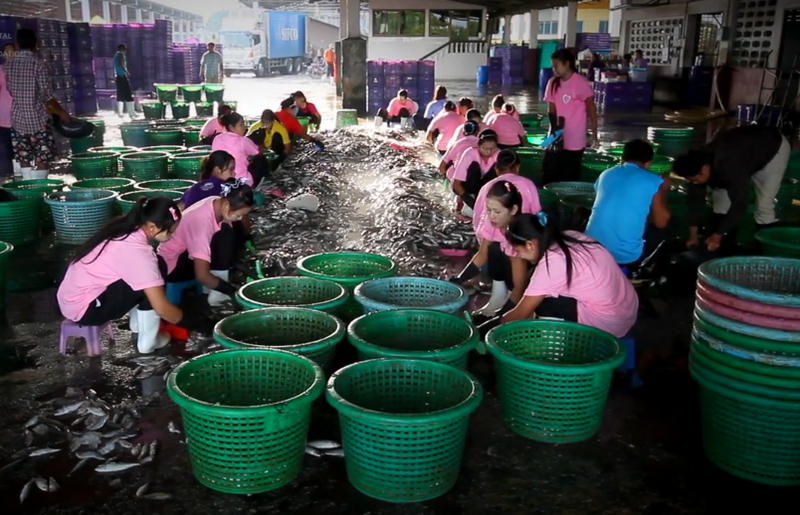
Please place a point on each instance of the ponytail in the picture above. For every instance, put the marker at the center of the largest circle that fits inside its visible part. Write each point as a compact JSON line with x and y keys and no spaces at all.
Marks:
{"x":564,"y":56}
{"x":509,"y":108}
{"x":163,"y":212}
{"x":217,"y":159}
{"x":238,"y":194}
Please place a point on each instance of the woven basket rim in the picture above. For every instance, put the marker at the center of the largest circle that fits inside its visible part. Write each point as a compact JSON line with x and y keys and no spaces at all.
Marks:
{"x":110,"y":195}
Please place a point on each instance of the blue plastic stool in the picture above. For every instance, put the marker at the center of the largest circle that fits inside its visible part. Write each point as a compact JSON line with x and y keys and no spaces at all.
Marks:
{"x":628,"y":366}
{"x":175,"y":290}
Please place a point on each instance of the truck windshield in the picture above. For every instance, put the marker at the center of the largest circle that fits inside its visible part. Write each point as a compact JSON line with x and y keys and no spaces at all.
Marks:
{"x":236,"y":39}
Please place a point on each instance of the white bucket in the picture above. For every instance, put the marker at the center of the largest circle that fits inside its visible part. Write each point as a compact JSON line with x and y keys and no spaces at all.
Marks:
{"x":30,"y":175}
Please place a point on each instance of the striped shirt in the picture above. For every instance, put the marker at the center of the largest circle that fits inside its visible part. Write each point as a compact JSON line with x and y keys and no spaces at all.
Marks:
{"x":210,"y":63}
{"x":28,"y":79}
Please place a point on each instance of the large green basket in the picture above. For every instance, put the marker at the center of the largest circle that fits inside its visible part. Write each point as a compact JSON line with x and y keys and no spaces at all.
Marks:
{"x":747,"y":433}
{"x":116,"y":184}
{"x":780,"y":241}
{"x":301,"y":292}
{"x":308,"y":332}
{"x":152,"y":110}
{"x":187,"y":165}
{"x":192,"y":93}
{"x":548,"y":199}
{"x":413,"y":334}
{"x":144,"y":166}
{"x":133,"y":134}
{"x":42,"y":186}
{"x":553,"y":377}
{"x":195,"y":122}
{"x":246,"y":415}
{"x":167,"y":92}
{"x":95,"y":165}
{"x":595,"y":164}
{"x":165,"y":184}
{"x":5,"y":251}
{"x":201,"y":148}
{"x":191,"y":136}
{"x":180,"y":110}
{"x":565,"y":189}
{"x":404,"y":423}
{"x":78,"y":214}
{"x":126,"y":201}
{"x":530,"y":162}
{"x":214,"y":92}
{"x":205,"y":109}
{"x":81,"y":145}
{"x":21,"y":219}
{"x":672,"y":132}
{"x":160,"y":136}
{"x":119,"y":150}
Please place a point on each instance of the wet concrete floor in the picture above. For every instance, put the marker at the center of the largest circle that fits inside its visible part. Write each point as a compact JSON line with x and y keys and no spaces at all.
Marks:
{"x":646,"y":459}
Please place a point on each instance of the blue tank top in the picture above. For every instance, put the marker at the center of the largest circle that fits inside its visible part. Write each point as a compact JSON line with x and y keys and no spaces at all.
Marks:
{"x":619,"y":216}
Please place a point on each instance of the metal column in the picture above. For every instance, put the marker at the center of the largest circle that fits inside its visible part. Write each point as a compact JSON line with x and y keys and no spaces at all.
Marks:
{"x":86,"y":11}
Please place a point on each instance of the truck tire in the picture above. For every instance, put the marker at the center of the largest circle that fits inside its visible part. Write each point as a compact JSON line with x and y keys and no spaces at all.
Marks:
{"x":298,"y":64}
{"x":261,"y":69}
{"x":228,"y":73}
{"x":290,"y":70}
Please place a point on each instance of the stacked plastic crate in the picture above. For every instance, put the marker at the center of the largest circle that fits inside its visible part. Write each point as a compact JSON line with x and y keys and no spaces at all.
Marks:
{"x":105,"y":83}
{"x":596,"y":41}
{"x":392,"y":74}
{"x":495,"y":70}
{"x":426,"y":82}
{"x":180,"y":63}
{"x":165,"y":74}
{"x":81,"y":59}
{"x":514,"y":58}
{"x":376,"y":96}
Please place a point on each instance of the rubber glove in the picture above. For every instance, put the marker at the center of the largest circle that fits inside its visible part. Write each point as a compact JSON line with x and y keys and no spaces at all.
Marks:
{"x":468,"y":273}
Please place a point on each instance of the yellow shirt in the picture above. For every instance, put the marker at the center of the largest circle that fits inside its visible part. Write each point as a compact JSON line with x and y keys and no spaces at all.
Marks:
{"x":277,"y":128}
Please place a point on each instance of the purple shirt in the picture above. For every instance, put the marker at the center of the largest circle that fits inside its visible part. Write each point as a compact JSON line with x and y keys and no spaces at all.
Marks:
{"x":211,"y":187}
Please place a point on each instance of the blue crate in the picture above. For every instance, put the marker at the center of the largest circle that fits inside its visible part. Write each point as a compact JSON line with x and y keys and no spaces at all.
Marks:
{"x":376,"y":80}
{"x":425,"y":95}
{"x":413,"y":93}
{"x":426,"y":83}
{"x":408,"y":82}
{"x":375,"y":68}
{"x":409,"y":68}
{"x":392,"y":81}
{"x":389,"y":93}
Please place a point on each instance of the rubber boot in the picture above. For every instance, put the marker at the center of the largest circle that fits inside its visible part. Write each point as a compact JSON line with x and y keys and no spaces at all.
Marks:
{"x":131,"y":108}
{"x":133,"y":322}
{"x":403,"y":124}
{"x":379,"y":121}
{"x":467,"y":211}
{"x":497,"y":299}
{"x":149,"y":338}
{"x":216,"y":298}
{"x":120,"y":109}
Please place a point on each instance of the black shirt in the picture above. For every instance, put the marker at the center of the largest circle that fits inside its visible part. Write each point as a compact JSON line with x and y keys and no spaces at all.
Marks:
{"x":734,"y":156}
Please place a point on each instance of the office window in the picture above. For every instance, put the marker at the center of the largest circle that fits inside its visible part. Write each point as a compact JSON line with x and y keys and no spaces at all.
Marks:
{"x":554,"y":28}
{"x":455,"y":24}
{"x":398,"y":23}
{"x":603,"y":26}
{"x":579,"y":26}
{"x":549,"y":28}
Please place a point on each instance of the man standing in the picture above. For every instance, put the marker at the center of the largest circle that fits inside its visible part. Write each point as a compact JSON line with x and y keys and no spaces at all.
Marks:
{"x":124,"y":92}
{"x":330,"y":59}
{"x":211,"y":66}
{"x":32,"y":102}
{"x":727,"y":165}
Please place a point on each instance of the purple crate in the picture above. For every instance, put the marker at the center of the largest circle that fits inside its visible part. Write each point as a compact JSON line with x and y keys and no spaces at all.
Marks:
{"x":82,"y":69}
{"x":376,"y":80}
{"x":413,"y":92}
{"x":425,"y":95}
{"x":375,"y":68}
{"x":410,"y":67}
{"x":376,"y":91}
{"x":394,"y":68}
{"x":408,"y":81}
{"x":83,"y":83}
{"x":101,"y":82}
{"x":391,"y":81}
{"x":495,"y":77}
{"x":427,"y":67}
{"x":513,"y":81}
{"x":389,"y":93}
{"x":426,"y":83}
{"x":377,"y":105}
{"x":495,"y":63}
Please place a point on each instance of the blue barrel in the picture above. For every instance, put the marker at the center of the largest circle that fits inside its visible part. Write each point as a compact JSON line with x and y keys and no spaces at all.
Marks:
{"x":544,"y":77}
{"x":483,"y":75}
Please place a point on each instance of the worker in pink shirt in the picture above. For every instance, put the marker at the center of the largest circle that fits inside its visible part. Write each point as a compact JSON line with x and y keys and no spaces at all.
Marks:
{"x":475,"y":168}
{"x":456,"y":148}
{"x":116,"y":272}
{"x":204,"y":248}
{"x":401,"y":110}
{"x":510,"y":133}
{"x":473,"y":115}
{"x":214,"y":126}
{"x":444,"y":125}
{"x":497,"y":203}
{"x":234,"y":142}
{"x":6,"y":148}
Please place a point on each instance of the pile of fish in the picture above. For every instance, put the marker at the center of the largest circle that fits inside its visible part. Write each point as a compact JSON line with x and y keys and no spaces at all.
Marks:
{"x":377,"y":195}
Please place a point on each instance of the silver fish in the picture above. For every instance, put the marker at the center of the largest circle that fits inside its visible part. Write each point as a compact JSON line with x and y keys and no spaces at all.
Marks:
{"x":112,"y":467}
{"x":91,"y":455}
{"x":41,"y":429}
{"x":98,"y":423}
{"x":125,"y":444}
{"x":97,"y":412}
{"x":108,"y":448}
{"x":26,"y":490}
{"x":71,"y":408}
{"x":136,"y":450}
{"x":52,"y":485}
{"x":79,"y":466}
{"x":173,"y":428}
{"x":142,"y":489}
{"x":324,"y":444}
{"x":41,"y":483}
{"x":12,"y":464}
{"x":33,"y":421}
{"x":336,"y":453}
{"x":44,"y":451}
{"x":153,"y":448}
{"x":147,"y":459}
{"x":28,"y":437}
{"x":144,"y":452}
{"x":313,"y":451}
{"x":157,"y":496}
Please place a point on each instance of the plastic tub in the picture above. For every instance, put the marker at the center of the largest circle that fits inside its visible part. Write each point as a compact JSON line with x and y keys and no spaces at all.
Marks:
{"x":167,"y":92}
{"x":152,"y":111}
{"x":192,"y":93}
{"x":204,"y":109}
{"x":214,"y":92}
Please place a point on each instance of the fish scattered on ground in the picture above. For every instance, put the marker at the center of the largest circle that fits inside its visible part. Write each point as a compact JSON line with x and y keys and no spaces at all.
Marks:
{"x":324,"y":444}
{"x":173,"y":428}
{"x":113,"y":467}
{"x":26,"y":490}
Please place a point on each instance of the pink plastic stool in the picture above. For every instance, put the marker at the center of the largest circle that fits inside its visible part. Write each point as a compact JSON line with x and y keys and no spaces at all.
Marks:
{"x":90,"y":333}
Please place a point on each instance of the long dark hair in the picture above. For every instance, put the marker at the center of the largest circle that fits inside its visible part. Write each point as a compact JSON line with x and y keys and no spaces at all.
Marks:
{"x":449,"y":106}
{"x":217,"y":159}
{"x":545,"y":229}
{"x":440,"y":93}
{"x":163,"y":212}
{"x":507,"y":194}
{"x":230,"y":120}
{"x":239,"y":194}
{"x":498,"y":101}
{"x":565,"y":56}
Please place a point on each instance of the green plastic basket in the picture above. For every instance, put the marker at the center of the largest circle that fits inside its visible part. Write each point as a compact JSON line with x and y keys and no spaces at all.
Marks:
{"x":121,"y":151}
{"x":81,"y":145}
{"x":246,"y":415}
{"x":126,"y":201}
{"x":195,"y":122}
{"x":152,"y":111}
{"x":593,"y":165}
{"x":116,"y":184}
{"x":571,"y":203}
{"x":749,"y":435}
{"x":5,"y":250}
{"x":42,"y":186}
{"x":565,"y":189}
{"x":165,"y":184}
{"x":187,"y":165}
{"x":144,"y":166}
{"x":133,"y":134}
{"x":553,"y":377}
{"x":201,"y":148}
{"x":404,"y":424}
{"x":167,"y":93}
{"x":658,"y":133}
{"x":21,"y":219}
{"x":233,"y":104}
{"x":180,"y":110}
{"x":747,"y":370}
{"x":413,"y":334}
{"x":214,"y":92}
{"x":301,"y":292}
{"x":164,"y":136}
{"x":307,"y":332}
{"x":95,"y":165}
{"x":616,"y":148}
{"x":204,"y":109}
{"x":192,"y":93}
{"x":780,"y":241}
{"x":530,"y":162}
{"x":548,"y":199}
{"x":78,"y":214}
{"x":661,"y":165}
{"x":191,"y":136}
{"x":169,"y":149}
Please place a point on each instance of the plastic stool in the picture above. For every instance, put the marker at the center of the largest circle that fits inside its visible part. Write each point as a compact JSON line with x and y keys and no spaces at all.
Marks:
{"x":629,"y":365}
{"x":90,"y":333}
{"x":175,"y":290}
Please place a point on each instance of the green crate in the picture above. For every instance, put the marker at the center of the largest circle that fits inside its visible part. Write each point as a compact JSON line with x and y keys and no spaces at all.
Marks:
{"x":187,"y":165}
{"x":204,"y":109}
{"x":214,"y":92}
{"x":553,"y":377}
{"x":413,"y":334}
{"x":95,"y":165}
{"x":21,"y":219}
{"x":152,"y":111}
{"x":301,"y":292}
{"x":166,"y":93}
{"x":246,"y":415}
{"x":404,"y":425}
{"x":165,"y":184}
{"x":5,"y":250}
{"x":117,"y":184}
{"x":144,"y":166}
{"x":78,"y":214}
{"x":192,"y":93}
{"x":307,"y":332}
{"x":126,"y":201}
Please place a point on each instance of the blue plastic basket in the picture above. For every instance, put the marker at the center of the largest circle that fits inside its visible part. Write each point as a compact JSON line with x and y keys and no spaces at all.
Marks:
{"x":78,"y":214}
{"x":769,"y":280}
{"x":410,"y":292}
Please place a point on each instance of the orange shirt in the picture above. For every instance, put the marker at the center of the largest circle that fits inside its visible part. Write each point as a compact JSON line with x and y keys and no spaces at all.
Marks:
{"x":329,"y":56}
{"x":290,"y":122}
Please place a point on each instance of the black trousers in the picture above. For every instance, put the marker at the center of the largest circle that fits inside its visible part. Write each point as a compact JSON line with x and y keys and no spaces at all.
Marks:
{"x":565,"y":308}
{"x":500,"y":265}
{"x":329,"y":67}
{"x":506,"y":147}
{"x":260,"y":166}
{"x":476,"y":179}
{"x":561,"y":165}
{"x":118,"y":299}
{"x":124,"y":93}
{"x":225,"y":246}
{"x":404,"y":113}
{"x":6,"y":153}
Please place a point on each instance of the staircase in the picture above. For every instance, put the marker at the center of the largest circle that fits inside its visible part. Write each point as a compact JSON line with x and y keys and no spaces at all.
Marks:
{"x":458,"y":60}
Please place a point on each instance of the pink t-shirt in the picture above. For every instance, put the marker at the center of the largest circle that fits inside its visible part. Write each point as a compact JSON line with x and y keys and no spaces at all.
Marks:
{"x":240,"y":148}
{"x":606,"y":299}
{"x":509,"y":131}
{"x":570,"y":101}
{"x":491,"y":114}
{"x":198,"y":225}
{"x":5,"y":101}
{"x":448,"y":123}
{"x":211,"y":127}
{"x":472,"y":155}
{"x":131,"y":259}
{"x":395,"y":106}
{"x":484,"y":229}
{"x":455,"y":150}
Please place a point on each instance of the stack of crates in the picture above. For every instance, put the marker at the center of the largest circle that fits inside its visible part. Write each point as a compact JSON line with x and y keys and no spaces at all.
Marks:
{"x":386,"y":78}
{"x":495,"y":70}
{"x":426,"y":82}
{"x":376,"y":98}
{"x":165,"y":74}
{"x":81,"y":68}
{"x":514,"y":64}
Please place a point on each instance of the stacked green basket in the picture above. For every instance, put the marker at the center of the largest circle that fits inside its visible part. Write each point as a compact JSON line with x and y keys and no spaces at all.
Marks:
{"x":204,"y":109}
{"x":152,"y":110}
{"x":187,"y":165}
{"x":672,"y":141}
{"x":616,"y":148}
{"x":167,"y":93}
{"x":5,"y":251}
{"x":180,"y":110}
{"x":745,"y":355}
{"x":95,"y":165}
{"x":21,"y":219}
{"x":126,"y":201}
{"x":144,"y":166}
{"x":192,"y":92}
{"x":160,"y":136}
{"x":117,"y":184}
{"x":214,"y":92}
{"x":191,"y":136}
{"x":133,"y":134}
{"x":530,"y":162}
{"x":81,"y":145}
{"x":536,"y":136}
{"x":567,"y":188}
{"x":301,"y":292}
{"x":780,"y":241}
{"x":593,"y":164}
{"x":119,"y":150}
{"x":42,"y":187}
{"x":165,"y":184}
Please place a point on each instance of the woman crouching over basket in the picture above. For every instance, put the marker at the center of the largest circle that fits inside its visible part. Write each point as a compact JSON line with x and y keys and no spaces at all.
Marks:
{"x":498,"y":202}
{"x":204,"y":246}
{"x":117,"y":272}
{"x":474,"y":168}
{"x":576,"y":279}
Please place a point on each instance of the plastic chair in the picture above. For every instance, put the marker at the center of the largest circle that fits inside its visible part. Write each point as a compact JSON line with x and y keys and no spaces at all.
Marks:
{"x":175,"y":290}
{"x":90,"y":333}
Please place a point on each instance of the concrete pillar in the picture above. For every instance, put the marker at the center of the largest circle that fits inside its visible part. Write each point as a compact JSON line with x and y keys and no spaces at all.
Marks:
{"x":615,"y":19}
{"x":572,"y":22}
{"x":533,"y":28}
{"x":507,"y":30}
{"x":107,"y":11}
{"x":337,"y":49}
{"x":353,"y":74}
{"x":123,"y":13}
{"x":353,"y":18}
{"x":64,"y":11}
{"x":138,"y":15}
{"x":86,"y":11}
{"x":343,"y":18}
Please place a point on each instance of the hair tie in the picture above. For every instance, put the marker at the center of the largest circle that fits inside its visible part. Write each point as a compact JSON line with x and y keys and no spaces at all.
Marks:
{"x":508,"y":186}
{"x":173,"y":213}
{"x":542,"y":217}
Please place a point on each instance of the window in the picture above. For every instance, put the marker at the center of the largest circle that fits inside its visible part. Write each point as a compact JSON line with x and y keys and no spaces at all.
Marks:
{"x":398,"y":23}
{"x":549,"y":28}
{"x":603,"y":27}
{"x":455,"y":24}
{"x":579,"y":26}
